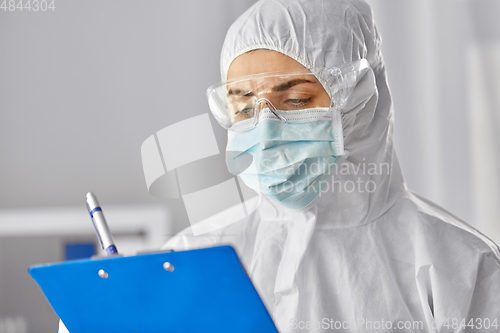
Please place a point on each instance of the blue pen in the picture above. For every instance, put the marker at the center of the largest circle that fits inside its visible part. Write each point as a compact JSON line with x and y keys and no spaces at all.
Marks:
{"x":100,"y":225}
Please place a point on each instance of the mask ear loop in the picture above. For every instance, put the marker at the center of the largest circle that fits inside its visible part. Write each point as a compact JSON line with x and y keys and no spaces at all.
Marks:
{"x":271,"y":108}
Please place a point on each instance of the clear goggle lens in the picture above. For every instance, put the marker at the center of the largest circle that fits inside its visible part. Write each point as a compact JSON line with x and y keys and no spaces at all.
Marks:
{"x":238,"y":100}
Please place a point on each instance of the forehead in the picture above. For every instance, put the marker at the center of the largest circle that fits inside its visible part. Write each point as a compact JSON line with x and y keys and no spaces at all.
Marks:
{"x":260,"y":61}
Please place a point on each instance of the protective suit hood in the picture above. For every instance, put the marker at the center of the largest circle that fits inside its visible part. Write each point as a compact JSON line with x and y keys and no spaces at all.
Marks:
{"x":370,"y":180}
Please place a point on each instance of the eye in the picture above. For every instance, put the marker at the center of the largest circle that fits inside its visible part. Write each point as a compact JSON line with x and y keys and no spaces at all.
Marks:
{"x":298,"y":102}
{"x":245,"y":111}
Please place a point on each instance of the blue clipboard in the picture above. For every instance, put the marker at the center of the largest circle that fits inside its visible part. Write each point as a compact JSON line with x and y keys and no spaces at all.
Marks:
{"x":204,"y":290}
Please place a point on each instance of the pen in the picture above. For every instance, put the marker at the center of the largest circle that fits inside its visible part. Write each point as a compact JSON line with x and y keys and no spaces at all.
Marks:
{"x":100,"y":225}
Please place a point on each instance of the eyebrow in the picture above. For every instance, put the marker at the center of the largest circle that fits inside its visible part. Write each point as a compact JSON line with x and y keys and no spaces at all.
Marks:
{"x":281,"y":87}
{"x":289,"y":84}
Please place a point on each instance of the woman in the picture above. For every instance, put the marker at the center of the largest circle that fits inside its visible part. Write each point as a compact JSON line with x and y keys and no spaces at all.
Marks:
{"x":373,"y":257}
{"x":369,"y":258}
{"x":344,"y":246}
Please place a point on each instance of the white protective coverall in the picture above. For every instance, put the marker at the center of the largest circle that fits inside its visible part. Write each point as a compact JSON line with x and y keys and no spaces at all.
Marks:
{"x":359,"y":260}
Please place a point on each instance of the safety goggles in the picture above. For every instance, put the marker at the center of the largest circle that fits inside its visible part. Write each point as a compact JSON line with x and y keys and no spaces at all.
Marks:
{"x":237,"y":104}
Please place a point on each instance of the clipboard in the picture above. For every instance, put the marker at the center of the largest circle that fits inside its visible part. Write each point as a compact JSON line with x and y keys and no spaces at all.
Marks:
{"x":204,"y":290}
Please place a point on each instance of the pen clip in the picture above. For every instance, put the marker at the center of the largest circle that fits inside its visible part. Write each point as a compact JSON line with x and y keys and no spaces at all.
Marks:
{"x":91,"y":213}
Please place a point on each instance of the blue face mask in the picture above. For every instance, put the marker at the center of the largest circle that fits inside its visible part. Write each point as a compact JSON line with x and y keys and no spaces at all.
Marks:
{"x":288,"y":161}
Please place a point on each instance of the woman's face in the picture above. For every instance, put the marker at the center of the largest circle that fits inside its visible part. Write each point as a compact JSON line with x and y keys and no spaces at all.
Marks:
{"x":293,"y":92}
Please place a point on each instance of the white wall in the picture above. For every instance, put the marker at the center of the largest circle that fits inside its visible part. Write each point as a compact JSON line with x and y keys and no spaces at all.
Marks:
{"x":83,"y":86}
{"x":443,"y":61}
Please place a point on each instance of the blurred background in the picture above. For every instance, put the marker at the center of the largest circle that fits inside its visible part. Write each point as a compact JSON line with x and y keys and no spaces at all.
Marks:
{"x":82,"y":86}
